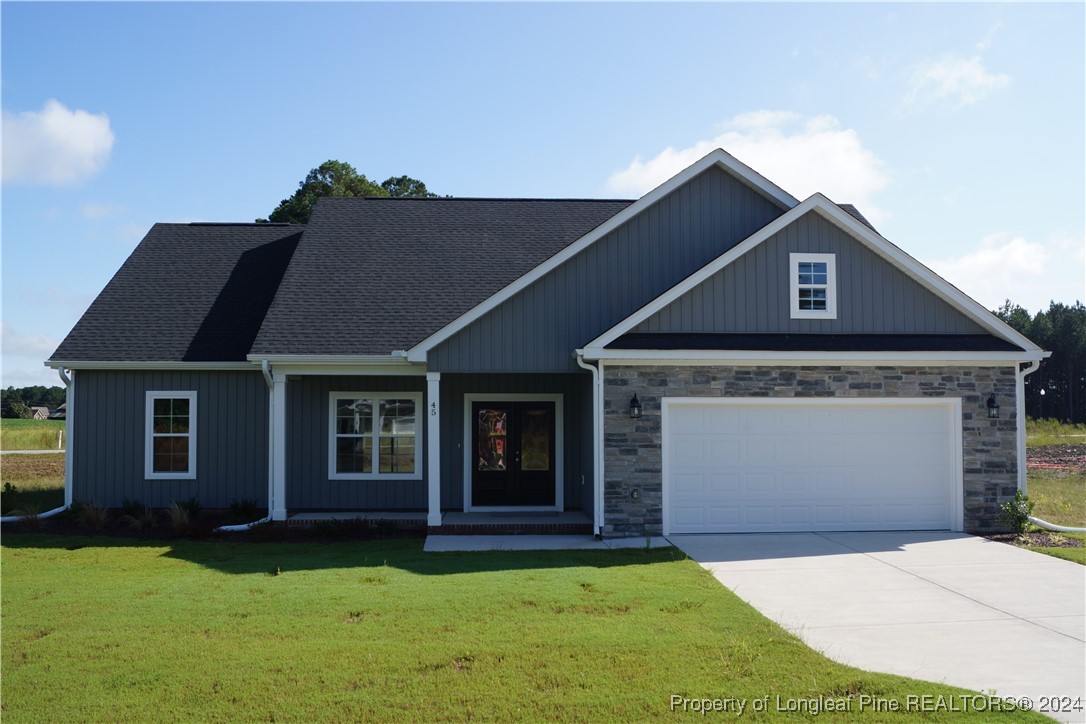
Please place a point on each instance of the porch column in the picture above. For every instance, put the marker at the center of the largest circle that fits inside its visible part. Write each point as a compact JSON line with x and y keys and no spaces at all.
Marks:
{"x":433,"y":447}
{"x":278,"y":441}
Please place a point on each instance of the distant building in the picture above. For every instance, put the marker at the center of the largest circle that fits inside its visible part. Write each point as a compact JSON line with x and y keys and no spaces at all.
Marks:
{"x":61,"y":413}
{"x":39,"y":413}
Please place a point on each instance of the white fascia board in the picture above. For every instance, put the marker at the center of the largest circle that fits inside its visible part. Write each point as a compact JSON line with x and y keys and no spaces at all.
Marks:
{"x":628,"y":357}
{"x":835,"y":214}
{"x":718,"y":157}
{"x":395,"y":358}
{"x":150,"y":365}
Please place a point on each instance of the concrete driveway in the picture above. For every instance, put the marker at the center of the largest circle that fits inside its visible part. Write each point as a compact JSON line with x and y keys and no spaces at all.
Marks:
{"x":943,"y":607}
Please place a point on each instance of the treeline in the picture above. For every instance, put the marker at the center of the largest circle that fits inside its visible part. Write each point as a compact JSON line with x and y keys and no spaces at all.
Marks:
{"x":1058,"y":388}
{"x":16,"y":402}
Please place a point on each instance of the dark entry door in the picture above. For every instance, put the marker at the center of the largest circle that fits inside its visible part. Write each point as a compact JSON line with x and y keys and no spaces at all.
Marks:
{"x":513,"y":444}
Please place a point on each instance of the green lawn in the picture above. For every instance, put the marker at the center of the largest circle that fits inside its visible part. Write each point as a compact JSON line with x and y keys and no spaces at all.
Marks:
{"x":1059,"y":495}
{"x":1053,"y":432}
{"x":1077,"y":555}
{"x":99,"y":629}
{"x":30,"y":434}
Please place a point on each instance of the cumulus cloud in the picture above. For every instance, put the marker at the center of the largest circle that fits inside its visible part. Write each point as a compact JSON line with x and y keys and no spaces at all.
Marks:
{"x":801,"y":154}
{"x":955,"y":79}
{"x":1008,"y":266}
{"x":55,"y":146}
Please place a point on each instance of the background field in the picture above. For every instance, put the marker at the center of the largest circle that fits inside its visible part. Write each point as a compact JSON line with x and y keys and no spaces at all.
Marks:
{"x":30,"y":434}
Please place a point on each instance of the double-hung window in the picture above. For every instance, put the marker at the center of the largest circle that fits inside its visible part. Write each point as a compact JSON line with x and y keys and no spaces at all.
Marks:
{"x":375,"y":436}
{"x":813,"y":286}
{"x":170,"y":436}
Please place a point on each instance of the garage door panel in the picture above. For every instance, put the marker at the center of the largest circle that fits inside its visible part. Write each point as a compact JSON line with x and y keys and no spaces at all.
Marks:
{"x":784,"y":466}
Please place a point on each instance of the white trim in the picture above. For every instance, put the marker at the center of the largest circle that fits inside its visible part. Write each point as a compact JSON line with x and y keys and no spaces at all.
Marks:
{"x":433,"y":448}
{"x":559,"y":450}
{"x":718,"y":157}
{"x":278,"y":472}
{"x":69,"y":427}
{"x":349,"y":360}
{"x":830,"y":260}
{"x":149,"y":434}
{"x":351,"y":370}
{"x":375,"y":449}
{"x":128,"y":365}
{"x":954,"y":411}
{"x":819,"y":203}
{"x":697,"y":357}
{"x":1020,"y":421}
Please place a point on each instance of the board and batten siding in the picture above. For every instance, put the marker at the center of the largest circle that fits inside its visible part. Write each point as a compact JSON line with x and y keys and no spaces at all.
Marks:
{"x":751,"y":295}
{"x":538,"y":328}
{"x":308,"y":484}
{"x":110,"y":427}
{"x":576,"y":391}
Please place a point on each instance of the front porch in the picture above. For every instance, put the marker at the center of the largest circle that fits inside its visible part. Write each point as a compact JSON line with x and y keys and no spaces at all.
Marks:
{"x":570,"y":522}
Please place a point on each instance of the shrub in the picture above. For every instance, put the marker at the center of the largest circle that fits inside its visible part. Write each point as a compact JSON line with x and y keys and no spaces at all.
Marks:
{"x":28,"y":515}
{"x":180,"y":519}
{"x":244,"y":510}
{"x":191,"y":506}
{"x":133,"y":509}
{"x":9,"y":497}
{"x":144,"y":519}
{"x":1016,"y":512}
{"x":91,"y":515}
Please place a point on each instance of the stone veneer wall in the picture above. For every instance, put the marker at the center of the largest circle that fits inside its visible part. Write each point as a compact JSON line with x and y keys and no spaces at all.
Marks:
{"x":632,"y":447}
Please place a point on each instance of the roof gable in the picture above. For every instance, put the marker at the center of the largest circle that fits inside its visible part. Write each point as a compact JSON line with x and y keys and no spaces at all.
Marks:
{"x":859,"y":231}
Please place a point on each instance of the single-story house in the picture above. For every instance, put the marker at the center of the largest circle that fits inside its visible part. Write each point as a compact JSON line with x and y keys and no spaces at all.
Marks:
{"x":39,"y":412}
{"x":60,"y":413}
{"x":716,"y":356}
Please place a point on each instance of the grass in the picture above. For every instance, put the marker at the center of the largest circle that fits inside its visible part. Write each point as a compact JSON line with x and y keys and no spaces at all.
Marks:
{"x":1059,"y":495}
{"x":39,"y":480}
{"x":97,"y":629}
{"x":30,"y":434}
{"x":1077,"y":555}
{"x":1053,"y":432}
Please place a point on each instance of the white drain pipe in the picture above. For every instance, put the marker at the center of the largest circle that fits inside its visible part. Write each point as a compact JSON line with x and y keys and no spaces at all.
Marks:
{"x":265,"y":368}
{"x":597,"y":445}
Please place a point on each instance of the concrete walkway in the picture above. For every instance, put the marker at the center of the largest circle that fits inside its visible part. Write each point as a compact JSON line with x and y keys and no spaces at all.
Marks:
{"x":943,"y":607}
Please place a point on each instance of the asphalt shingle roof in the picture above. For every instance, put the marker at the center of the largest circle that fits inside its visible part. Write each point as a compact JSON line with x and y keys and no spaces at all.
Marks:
{"x":189,"y":292}
{"x":376,"y":275}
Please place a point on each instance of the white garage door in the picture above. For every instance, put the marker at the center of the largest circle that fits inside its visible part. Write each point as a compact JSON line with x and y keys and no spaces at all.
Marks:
{"x":768,"y":464}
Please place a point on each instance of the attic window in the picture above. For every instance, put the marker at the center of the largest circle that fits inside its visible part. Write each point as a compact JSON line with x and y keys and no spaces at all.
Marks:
{"x":813,"y":287}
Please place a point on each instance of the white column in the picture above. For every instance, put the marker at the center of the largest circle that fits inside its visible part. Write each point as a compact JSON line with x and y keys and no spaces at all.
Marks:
{"x":433,"y":447}
{"x":278,"y":470}
{"x":69,"y":425}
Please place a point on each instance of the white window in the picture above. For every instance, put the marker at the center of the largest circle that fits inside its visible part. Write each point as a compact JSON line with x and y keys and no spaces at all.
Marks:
{"x":170,"y":438}
{"x":813,"y":286}
{"x":374,"y":436}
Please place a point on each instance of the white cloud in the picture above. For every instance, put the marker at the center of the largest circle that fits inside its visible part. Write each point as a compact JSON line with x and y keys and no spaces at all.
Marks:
{"x":94,"y":211}
{"x":801,"y":154}
{"x":989,"y":37}
{"x":958,"y":80}
{"x":55,"y":146}
{"x":23,"y":357}
{"x":20,"y":345}
{"x":1029,"y":273}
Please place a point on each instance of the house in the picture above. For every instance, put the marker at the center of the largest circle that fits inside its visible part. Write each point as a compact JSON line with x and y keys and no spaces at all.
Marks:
{"x":60,"y":413}
{"x":716,"y":356}
{"x":38,"y":412}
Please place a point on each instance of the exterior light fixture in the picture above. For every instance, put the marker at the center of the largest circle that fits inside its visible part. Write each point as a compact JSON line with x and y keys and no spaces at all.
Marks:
{"x":635,"y":407}
{"x":993,"y":407}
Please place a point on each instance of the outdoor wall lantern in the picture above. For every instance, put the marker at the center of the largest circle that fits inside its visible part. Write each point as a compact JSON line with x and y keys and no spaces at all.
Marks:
{"x":635,"y":407}
{"x":993,"y":407}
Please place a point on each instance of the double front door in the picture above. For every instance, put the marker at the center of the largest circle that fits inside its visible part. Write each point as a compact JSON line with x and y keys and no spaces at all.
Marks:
{"x":513,"y":444}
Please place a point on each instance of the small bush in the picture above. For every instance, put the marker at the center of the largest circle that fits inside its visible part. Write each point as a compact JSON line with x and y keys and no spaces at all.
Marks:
{"x":140,"y":520}
{"x":91,"y":515}
{"x":180,"y":519}
{"x":244,"y":510}
{"x":28,"y":515}
{"x":1016,"y":512}
{"x":191,"y":506}
{"x":133,"y":509}
{"x":9,"y":497}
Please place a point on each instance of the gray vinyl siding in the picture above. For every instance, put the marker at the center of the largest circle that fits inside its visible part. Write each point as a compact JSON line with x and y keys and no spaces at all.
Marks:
{"x":576,"y":391}
{"x":107,"y":444}
{"x":538,"y":328}
{"x":308,"y":484}
{"x":751,"y":294}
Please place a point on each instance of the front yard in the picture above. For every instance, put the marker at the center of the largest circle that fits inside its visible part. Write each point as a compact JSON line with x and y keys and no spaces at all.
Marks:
{"x":100,"y":629}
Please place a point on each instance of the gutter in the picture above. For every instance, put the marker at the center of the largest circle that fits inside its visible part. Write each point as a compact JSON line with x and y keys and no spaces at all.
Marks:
{"x":265,"y":369}
{"x":597,"y":444}
{"x":69,"y":387}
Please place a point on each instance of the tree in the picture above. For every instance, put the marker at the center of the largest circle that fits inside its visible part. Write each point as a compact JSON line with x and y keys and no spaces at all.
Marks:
{"x":338,"y":179}
{"x":19,"y":410}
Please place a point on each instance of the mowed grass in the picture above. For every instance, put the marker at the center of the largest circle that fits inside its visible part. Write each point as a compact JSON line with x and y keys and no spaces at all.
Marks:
{"x":101,"y":630}
{"x":30,"y":434}
{"x":38,"y":479}
{"x":1077,"y":555}
{"x":1053,"y":432}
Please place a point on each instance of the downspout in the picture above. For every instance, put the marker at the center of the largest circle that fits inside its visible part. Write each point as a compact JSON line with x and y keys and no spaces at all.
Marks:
{"x":597,"y":445}
{"x":1020,"y":392}
{"x":265,"y":368}
{"x":69,"y":423}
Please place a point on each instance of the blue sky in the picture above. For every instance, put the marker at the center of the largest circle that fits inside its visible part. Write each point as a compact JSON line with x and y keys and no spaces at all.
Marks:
{"x":959,"y":129}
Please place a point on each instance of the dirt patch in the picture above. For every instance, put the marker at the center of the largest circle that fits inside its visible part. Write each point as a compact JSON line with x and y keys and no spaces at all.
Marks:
{"x":1071,"y":457}
{"x":1036,"y":539}
{"x":32,"y":467}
